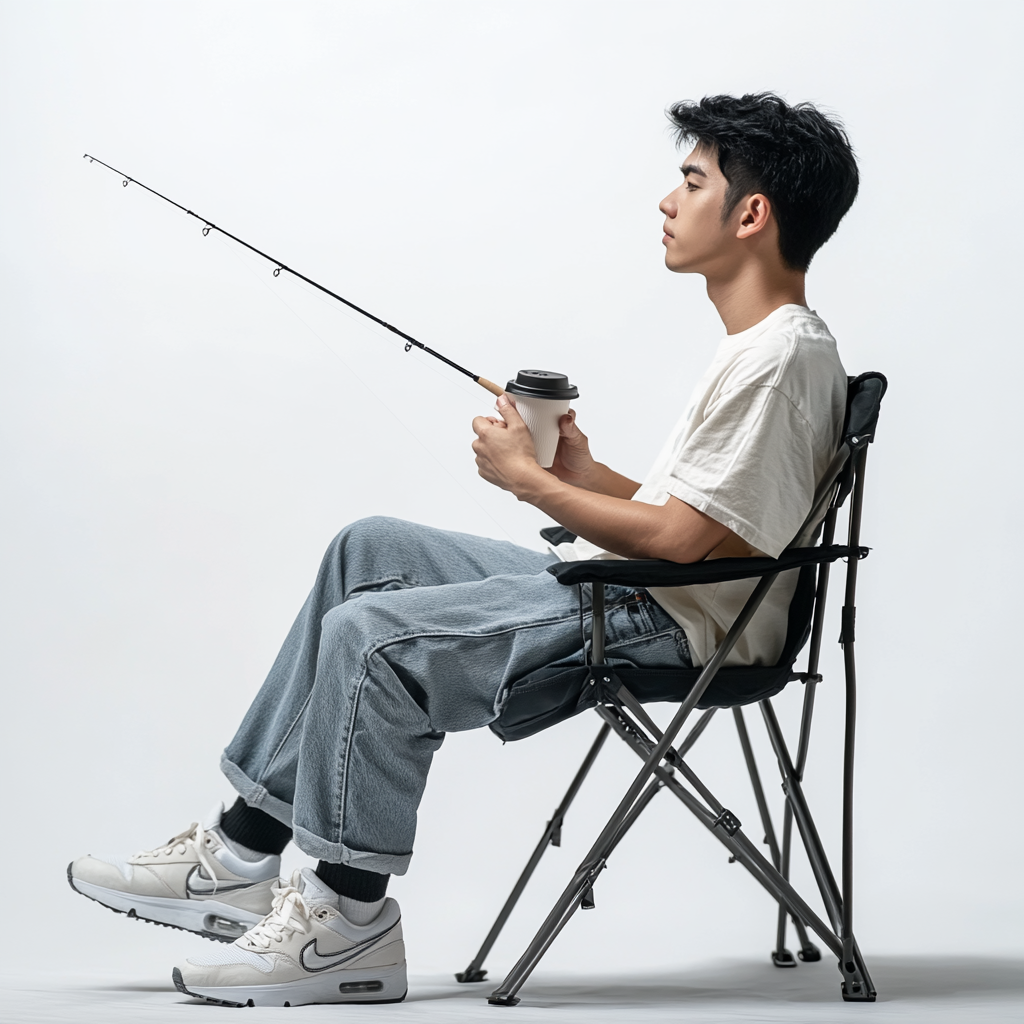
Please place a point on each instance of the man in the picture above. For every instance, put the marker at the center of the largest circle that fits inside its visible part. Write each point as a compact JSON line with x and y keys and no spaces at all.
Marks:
{"x":410,"y":632}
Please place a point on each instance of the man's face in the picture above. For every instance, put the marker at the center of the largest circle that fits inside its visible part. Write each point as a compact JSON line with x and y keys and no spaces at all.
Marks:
{"x":695,"y":237}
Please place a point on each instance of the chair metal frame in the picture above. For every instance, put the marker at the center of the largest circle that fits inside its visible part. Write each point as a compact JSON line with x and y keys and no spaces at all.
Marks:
{"x":664,"y":761}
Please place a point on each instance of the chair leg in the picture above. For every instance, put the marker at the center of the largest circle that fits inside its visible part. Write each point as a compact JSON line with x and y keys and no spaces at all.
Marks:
{"x":726,"y":829}
{"x":724,"y":826}
{"x":578,"y":894}
{"x":552,"y":836}
{"x":857,"y":986}
{"x":781,"y":956}
{"x":808,"y":952}
{"x":787,"y":833}
{"x":594,"y":862}
{"x":805,"y":823}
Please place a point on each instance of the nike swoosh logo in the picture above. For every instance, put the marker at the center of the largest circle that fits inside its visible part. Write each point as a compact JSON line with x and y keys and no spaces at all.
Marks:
{"x":197,"y":884}
{"x":312,"y":960}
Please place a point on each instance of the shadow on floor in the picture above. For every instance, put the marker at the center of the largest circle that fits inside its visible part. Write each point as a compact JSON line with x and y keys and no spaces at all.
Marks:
{"x":896,"y":978}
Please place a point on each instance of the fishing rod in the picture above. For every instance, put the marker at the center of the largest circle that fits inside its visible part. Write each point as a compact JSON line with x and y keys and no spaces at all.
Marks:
{"x":209,"y":226}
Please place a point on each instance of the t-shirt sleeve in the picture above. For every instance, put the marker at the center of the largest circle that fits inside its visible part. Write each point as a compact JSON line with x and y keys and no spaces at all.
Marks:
{"x":749,"y":465}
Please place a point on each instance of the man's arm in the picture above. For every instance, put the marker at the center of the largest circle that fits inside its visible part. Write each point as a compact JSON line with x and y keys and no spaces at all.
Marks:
{"x":634,"y":529}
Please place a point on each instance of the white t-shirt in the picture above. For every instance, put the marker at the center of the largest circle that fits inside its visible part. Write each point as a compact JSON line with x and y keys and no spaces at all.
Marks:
{"x":756,"y":439}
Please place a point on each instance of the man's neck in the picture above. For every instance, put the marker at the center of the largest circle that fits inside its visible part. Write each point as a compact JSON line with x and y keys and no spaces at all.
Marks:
{"x":746,"y":297}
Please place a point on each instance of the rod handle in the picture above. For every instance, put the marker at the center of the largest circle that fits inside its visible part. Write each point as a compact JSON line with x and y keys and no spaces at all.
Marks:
{"x":490,"y":385}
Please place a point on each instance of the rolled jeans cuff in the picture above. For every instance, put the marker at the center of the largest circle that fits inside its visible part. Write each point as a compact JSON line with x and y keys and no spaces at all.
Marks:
{"x":254,"y":794}
{"x":338,"y":853}
{"x":310,"y":844}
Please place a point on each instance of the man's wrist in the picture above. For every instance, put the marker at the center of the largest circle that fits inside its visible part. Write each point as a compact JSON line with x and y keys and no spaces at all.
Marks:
{"x":588,"y":479}
{"x":536,"y":485}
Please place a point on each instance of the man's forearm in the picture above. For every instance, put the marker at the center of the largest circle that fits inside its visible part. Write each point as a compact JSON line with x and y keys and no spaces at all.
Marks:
{"x":632,"y":529}
{"x":603,"y":480}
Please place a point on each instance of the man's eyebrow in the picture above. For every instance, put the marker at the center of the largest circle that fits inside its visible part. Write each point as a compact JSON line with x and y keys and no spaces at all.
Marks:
{"x":693,"y":169}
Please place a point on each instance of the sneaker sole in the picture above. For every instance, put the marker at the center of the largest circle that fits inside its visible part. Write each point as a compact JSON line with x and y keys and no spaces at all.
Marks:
{"x":208,"y":918}
{"x":370,"y":986}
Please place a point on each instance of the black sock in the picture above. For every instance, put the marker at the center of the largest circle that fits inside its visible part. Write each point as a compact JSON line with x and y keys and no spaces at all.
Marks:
{"x":355,"y":883}
{"x":254,"y":828}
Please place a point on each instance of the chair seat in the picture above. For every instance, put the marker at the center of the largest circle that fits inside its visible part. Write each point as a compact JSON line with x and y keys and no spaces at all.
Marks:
{"x":551,"y":695}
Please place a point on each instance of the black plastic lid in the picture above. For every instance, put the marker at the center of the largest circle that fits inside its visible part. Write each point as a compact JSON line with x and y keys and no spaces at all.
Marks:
{"x":542,"y":384}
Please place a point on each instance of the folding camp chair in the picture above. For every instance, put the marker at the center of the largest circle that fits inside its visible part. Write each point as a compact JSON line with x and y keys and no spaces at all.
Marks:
{"x":618,"y":694}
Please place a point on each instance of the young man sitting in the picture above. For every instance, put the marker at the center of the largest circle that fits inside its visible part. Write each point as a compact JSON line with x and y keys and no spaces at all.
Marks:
{"x":410,"y":632}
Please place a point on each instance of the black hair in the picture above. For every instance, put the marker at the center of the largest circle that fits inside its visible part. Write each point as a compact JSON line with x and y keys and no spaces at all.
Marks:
{"x":795,"y":155}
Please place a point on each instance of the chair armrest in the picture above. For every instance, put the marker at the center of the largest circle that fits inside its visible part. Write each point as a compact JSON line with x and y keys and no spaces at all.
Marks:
{"x":656,"y":572}
{"x":557,"y":534}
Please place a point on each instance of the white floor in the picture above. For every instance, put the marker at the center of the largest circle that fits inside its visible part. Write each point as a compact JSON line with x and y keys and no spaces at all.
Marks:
{"x":939,"y":989}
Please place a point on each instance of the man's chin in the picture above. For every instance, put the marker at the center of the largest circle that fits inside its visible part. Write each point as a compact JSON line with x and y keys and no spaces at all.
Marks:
{"x":677,"y":266}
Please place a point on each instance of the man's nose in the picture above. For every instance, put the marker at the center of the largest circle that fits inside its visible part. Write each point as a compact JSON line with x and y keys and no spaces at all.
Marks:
{"x":668,"y":206}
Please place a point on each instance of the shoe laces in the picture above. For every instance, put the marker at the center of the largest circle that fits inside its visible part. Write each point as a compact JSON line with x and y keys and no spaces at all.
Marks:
{"x":195,"y":836}
{"x":288,"y":914}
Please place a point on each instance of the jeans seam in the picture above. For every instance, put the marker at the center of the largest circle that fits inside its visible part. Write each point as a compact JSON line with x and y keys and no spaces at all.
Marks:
{"x":343,"y":773}
{"x":284,"y":739}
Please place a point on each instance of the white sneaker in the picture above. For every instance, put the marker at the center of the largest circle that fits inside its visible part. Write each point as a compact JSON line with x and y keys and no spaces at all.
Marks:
{"x":303,"y":951}
{"x":198,"y":881}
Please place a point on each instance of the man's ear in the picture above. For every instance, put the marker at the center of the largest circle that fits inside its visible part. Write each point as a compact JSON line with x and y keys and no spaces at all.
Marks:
{"x":755,"y":212}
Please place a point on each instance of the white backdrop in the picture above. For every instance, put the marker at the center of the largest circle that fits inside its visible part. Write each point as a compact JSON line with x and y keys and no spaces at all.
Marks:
{"x":183,"y":433}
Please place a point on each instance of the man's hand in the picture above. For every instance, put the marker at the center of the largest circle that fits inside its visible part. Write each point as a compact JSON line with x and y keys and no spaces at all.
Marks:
{"x":505,"y":455}
{"x":573,"y":462}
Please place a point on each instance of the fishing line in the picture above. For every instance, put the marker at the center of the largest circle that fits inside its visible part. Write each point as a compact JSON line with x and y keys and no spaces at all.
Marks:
{"x":208,"y":226}
{"x":357,"y":376}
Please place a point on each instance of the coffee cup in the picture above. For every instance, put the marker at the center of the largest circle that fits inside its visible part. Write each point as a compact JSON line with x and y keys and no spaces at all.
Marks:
{"x":542,"y":399}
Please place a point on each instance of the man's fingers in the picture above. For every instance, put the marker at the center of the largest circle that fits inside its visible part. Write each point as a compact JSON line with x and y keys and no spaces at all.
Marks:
{"x":481,"y":424}
{"x":568,"y":429}
{"x":508,"y":411}
{"x":567,"y":426}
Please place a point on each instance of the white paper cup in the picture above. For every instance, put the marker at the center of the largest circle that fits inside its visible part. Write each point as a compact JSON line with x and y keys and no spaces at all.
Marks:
{"x":542,"y":398}
{"x":541,"y":416}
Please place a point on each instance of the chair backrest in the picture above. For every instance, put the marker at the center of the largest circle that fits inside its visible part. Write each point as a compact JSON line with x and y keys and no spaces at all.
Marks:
{"x":863,"y":402}
{"x":738,"y":685}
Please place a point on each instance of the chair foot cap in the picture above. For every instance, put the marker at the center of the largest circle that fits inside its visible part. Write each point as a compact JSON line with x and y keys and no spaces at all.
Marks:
{"x":858,"y":994}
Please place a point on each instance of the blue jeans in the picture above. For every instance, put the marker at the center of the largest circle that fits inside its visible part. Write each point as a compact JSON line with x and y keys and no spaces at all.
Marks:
{"x":409,"y":632}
